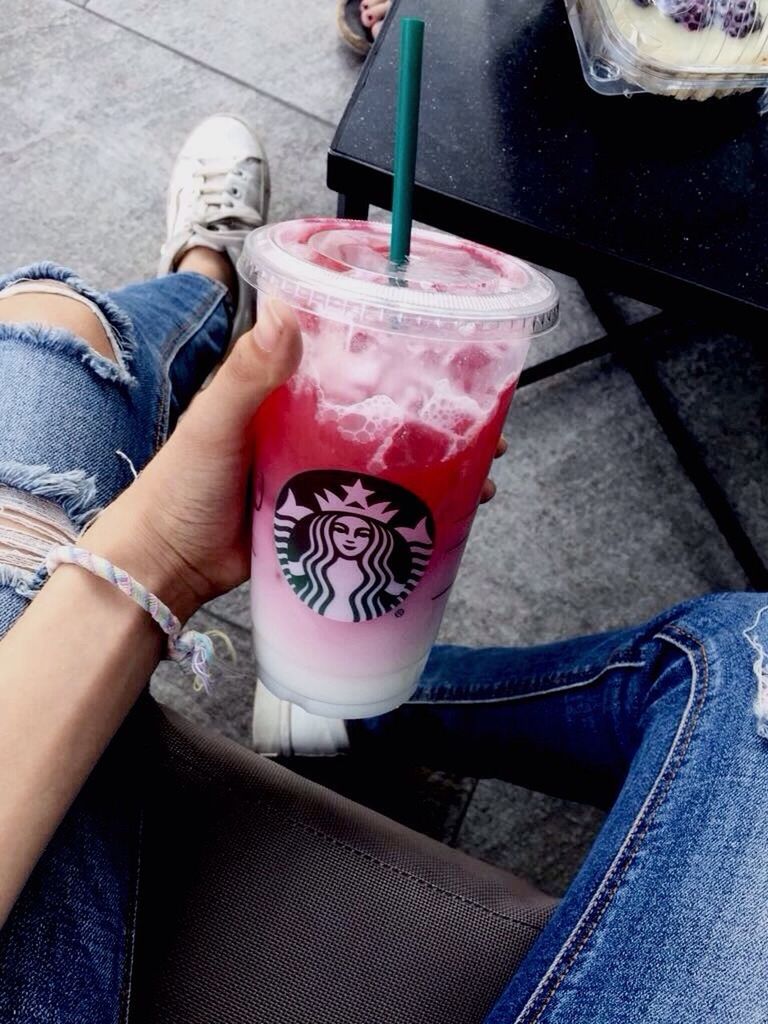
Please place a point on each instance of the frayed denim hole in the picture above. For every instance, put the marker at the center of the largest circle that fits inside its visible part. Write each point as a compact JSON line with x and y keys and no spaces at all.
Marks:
{"x":29,"y":586}
{"x":74,"y":491}
{"x":20,"y":580}
{"x":118,"y":319}
{"x":756,"y":636}
{"x":63,"y":342}
{"x":39,"y":509}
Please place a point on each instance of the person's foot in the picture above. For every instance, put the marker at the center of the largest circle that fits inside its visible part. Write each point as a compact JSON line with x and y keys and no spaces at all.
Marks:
{"x":372,"y":14}
{"x":218,"y":193}
{"x":359,"y":22}
{"x":282,"y":729}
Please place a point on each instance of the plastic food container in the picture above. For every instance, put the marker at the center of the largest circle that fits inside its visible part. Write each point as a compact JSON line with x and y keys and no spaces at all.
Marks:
{"x":688,"y":49}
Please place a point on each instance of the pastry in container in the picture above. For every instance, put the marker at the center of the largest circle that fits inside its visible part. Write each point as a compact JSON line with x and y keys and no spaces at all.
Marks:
{"x":688,"y":49}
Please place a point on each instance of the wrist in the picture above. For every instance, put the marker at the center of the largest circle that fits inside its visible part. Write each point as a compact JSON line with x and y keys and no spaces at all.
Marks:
{"x":139,"y":553}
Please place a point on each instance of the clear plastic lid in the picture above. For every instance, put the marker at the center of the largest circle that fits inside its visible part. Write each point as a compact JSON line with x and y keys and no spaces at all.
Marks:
{"x":341,"y":269}
{"x":685,"y":48}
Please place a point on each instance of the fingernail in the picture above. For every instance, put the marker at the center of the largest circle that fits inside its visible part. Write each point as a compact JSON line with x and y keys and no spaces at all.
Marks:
{"x":268,"y":335}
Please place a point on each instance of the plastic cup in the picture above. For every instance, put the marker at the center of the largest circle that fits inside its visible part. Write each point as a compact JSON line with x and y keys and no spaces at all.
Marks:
{"x":369,"y":462}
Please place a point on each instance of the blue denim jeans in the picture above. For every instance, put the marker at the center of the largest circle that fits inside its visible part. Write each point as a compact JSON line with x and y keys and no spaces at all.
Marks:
{"x":666,"y":919}
{"x":70,"y":420}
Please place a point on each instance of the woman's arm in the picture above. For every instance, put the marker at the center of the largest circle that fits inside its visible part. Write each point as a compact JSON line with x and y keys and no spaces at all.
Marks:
{"x":70,"y":670}
{"x":80,"y":655}
{"x":75,"y":662}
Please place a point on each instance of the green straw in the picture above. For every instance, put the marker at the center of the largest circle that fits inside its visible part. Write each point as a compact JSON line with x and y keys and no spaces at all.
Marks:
{"x":406,"y":137}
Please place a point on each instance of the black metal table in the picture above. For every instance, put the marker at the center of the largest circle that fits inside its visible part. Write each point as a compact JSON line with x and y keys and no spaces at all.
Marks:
{"x":655,"y":198}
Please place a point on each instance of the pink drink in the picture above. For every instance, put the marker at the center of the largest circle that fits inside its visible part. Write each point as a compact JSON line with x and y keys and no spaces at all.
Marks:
{"x":369,"y":463}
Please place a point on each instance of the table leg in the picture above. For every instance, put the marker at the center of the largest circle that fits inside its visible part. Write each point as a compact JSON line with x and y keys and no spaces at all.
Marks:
{"x":610,"y":343}
{"x":637,"y":359}
{"x":351,"y":207}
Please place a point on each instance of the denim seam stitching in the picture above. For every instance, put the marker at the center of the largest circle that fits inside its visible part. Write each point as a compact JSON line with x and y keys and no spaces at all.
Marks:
{"x":534,"y":693}
{"x":626,"y":856}
{"x":182,"y":337}
{"x":125,"y":1011}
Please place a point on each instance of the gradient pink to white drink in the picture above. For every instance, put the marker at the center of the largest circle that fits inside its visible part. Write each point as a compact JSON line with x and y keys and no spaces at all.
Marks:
{"x":369,"y":463}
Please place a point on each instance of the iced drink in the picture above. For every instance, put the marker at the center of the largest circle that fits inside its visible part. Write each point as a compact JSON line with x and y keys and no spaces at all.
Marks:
{"x":369,"y":462}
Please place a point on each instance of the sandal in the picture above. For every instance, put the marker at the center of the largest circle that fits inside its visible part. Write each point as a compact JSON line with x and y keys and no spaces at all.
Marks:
{"x":351,"y":28}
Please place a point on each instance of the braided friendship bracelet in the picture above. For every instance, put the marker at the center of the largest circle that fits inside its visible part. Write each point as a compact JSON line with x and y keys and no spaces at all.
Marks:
{"x":192,"y":650}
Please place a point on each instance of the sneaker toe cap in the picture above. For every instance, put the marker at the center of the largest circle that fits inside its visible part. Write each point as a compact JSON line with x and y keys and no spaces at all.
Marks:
{"x":223,"y":136}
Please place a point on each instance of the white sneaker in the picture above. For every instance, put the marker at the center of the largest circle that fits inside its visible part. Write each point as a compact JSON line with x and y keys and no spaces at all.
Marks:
{"x":219,"y":192}
{"x":282,"y":729}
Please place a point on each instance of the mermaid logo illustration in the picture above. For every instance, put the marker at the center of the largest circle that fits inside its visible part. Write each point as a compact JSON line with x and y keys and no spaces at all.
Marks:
{"x":351,"y":546}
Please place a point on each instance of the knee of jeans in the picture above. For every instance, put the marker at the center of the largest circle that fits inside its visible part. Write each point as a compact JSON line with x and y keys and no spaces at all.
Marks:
{"x":755,"y":634}
{"x":39,"y":510}
{"x":720,"y":612}
{"x":117,"y":325}
{"x":733,"y":630}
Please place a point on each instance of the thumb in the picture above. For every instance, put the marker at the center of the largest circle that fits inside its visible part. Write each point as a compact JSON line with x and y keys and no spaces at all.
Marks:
{"x":260,"y":361}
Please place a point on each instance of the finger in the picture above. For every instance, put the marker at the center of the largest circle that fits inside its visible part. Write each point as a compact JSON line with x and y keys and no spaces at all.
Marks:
{"x":488,"y":491}
{"x":260,"y":360}
{"x":501,"y":448}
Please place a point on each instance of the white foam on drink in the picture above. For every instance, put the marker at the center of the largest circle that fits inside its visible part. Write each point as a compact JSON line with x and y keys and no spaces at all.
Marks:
{"x":452,"y":414}
{"x":374,"y":384}
{"x":365,"y":421}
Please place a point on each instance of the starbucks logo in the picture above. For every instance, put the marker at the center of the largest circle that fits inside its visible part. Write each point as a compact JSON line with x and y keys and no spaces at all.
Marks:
{"x":351,"y":546}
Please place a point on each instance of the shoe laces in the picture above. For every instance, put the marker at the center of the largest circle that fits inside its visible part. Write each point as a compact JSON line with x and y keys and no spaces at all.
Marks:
{"x":222,"y":189}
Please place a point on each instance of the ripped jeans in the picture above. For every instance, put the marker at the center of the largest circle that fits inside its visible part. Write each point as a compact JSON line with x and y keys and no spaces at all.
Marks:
{"x":667,"y":919}
{"x":659,"y":724}
{"x":73,"y":423}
